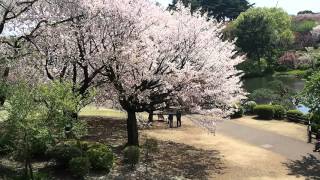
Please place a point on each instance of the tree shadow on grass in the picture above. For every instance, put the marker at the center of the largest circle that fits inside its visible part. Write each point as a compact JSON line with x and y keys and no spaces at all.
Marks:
{"x":308,"y":167}
{"x":176,"y":161}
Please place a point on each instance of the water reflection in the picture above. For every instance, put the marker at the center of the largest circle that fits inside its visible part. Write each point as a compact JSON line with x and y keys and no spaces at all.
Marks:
{"x":295,"y":84}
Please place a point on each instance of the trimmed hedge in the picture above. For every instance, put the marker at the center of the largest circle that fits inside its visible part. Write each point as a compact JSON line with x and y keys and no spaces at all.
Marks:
{"x":294,"y":115}
{"x":264,"y":111}
{"x":279,"y":111}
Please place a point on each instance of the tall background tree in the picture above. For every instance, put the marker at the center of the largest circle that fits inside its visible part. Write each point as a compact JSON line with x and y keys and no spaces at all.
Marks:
{"x":262,"y":33}
{"x":221,"y":10}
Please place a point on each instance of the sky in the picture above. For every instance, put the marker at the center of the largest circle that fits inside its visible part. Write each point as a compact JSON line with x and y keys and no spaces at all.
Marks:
{"x":291,"y":6}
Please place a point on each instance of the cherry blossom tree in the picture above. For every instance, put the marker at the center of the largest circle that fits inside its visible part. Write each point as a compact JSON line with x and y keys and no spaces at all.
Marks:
{"x":20,"y":23}
{"x":158,"y":56}
{"x":138,"y":54}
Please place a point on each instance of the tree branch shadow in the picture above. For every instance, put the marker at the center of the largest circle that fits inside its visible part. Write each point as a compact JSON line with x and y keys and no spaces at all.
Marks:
{"x":308,"y":167}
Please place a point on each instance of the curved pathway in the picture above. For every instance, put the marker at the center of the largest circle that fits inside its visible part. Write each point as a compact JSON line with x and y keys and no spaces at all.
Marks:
{"x":291,"y":148}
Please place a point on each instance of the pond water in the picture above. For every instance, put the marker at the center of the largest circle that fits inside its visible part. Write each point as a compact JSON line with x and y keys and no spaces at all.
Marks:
{"x":294,"y":83}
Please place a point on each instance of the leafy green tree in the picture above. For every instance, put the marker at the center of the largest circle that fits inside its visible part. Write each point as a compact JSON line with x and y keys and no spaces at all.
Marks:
{"x":37,"y":118}
{"x":219,"y":9}
{"x":311,"y":93}
{"x":23,"y":124}
{"x":262,"y":33}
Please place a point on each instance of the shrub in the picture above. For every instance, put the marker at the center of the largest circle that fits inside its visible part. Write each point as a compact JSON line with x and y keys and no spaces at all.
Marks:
{"x":315,"y":121}
{"x":101,"y":157}
{"x":249,"y":106}
{"x":5,"y":144}
{"x":294,"y":115}
{"x":279,"y":111}
{"x":315,"y":128}
{"x":79,"y":166}
{"x":63,"y":153}
{"x":262,"y":95}
{"x":264,"y":111}
{"x":131,"y":155}
{"x":238,"y":113}
{"x":39,"y":146}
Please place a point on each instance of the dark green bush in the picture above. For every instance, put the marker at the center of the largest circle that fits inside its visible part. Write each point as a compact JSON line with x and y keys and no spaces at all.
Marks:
{"x":79,"y":166}
{"x":279,"y":111}
{"x":315,"y":118}
{"x":249,"y":106}
{"x":101,"y":157}
{"x":38,"y":147}
{"x":5,"y":144}
{"x":296,"y":113}
{"x":264,"y":111}
{"x":315,"y":121}
{"x":315,"y":128}
{"x":131,"y":155}
{"x":63,"y":153}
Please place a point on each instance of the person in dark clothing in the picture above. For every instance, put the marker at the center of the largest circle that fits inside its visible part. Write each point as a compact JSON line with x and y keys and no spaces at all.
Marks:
{"x":170,"y":118}
{"x":178,"y":118}
{"x":317,"y":145}
{"x":309,"y":132}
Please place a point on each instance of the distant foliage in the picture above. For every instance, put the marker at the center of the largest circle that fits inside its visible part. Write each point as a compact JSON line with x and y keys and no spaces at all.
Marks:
{"x":305,"y":12}
{"x":262,"y":96}
{"x":263,"y":33}
{"x":288,"y":59}
{"x":220,"y":10}
{"x":303,"y":26}
{"x":297,"y":60}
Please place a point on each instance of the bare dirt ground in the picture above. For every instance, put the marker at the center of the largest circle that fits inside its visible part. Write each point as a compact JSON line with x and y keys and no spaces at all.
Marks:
{"x":289,"y":129}
{"x":189,"y":152}
{"x":241,"y":160}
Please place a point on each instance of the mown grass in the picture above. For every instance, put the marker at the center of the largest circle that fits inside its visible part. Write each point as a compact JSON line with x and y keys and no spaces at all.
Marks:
{"x":102,"y":112}
{"x":110,"y":113}
{"x":297,"y":72}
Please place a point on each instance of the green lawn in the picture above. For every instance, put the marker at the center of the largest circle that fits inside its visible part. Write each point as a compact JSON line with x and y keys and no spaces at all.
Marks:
{"x":104,"y":112}
{"x":95,"y":111}
{"x":297,"y":72}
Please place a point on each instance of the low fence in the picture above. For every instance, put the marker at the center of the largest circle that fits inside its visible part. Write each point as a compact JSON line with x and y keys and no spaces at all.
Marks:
{"x":299,"y":119}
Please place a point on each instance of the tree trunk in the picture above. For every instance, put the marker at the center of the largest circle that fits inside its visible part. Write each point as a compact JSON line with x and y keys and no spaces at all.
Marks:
{"x":4,"y":80}
{"x":150,"y":118}
{"x":132,"y":129}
